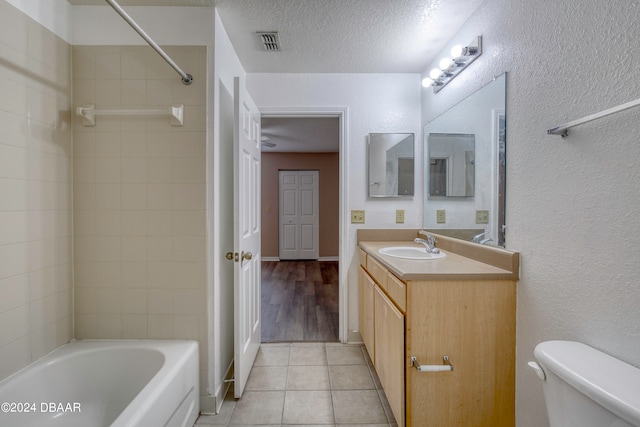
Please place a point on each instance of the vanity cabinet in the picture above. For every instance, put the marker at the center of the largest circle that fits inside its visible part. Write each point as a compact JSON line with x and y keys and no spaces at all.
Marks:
{"x":469,"y":320}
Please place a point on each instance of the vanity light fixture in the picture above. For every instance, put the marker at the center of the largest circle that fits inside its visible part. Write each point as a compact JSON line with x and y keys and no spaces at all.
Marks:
{"x":460,"y":59}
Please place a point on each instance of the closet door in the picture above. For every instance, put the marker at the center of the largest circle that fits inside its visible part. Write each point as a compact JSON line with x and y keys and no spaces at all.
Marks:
{"x":299,"y":215}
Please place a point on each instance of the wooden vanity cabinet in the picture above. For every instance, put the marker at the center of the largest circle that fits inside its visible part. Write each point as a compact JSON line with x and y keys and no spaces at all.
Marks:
{"x":470,"y":321}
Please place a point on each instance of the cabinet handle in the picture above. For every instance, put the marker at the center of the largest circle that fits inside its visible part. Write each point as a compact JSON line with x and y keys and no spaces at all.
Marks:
{"x":447,"y":366}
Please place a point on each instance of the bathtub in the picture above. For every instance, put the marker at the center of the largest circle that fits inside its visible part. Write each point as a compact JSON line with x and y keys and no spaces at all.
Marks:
{"x":106,"y":383}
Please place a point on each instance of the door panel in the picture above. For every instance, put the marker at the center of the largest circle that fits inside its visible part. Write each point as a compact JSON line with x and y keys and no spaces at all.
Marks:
{"x":246,"y":235}
{"x":299,"y":215}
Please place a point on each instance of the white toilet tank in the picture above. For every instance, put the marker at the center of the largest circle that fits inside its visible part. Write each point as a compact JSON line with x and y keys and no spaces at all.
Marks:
{"x":584,"y":387}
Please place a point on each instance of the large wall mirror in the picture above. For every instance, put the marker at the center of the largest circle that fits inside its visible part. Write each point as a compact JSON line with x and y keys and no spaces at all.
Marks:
{"x":391,"y":164}
{"x":464,"y":167}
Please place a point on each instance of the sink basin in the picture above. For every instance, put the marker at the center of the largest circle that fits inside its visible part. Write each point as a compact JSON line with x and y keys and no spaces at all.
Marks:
{"x":410,"y":252}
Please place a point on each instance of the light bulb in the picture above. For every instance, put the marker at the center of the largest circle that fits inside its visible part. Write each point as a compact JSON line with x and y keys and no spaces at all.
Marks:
{"x":456,"y":51}
{"x":426,"y":82}
{"x":445,"y":63}
{"x":435,"y":73}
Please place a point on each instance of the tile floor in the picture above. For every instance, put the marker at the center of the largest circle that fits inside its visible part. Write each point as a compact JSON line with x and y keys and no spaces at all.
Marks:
{"x":308,"y":384}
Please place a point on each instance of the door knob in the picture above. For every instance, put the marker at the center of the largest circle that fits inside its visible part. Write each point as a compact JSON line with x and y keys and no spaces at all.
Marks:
{"x":230,"y":256}
{"x":246,"y":255}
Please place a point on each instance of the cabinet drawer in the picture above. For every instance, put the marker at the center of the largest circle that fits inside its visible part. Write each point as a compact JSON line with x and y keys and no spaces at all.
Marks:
{"x":363,"y":258}
{"x":397,"y":290}
{"x":377,"y":271}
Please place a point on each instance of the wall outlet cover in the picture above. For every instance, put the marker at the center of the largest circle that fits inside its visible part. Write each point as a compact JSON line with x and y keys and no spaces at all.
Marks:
{"x":357,"y":217}
{"x":482,"y":217}
{"x":399,"y":216}
{"x":441,"y":216}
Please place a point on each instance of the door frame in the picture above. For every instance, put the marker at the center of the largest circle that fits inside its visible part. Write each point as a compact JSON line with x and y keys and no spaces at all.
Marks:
{"x":341,"y":113}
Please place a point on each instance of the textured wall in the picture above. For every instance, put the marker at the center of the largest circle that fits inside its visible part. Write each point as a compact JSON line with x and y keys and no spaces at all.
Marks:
{"x":571,"y":203}
{"x":35,"y":191}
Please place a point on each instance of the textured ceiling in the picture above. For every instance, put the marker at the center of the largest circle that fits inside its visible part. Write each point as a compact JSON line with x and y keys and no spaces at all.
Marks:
{"x":334,"y":36}
{"x":343,"y":36}
{"x":330,"y":36}
{"x":125,"y":3}
{"x":319,"y":135}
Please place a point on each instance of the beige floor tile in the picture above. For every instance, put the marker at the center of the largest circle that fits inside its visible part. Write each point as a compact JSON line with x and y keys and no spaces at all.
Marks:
{"x":312,"y":355}
{"x":386,"y":406}
{"x":308,"y":378}
{"x":308,"y":407}
{"x":345,"y":354}
{"x":259,"y":407}
{"x":267,"y":378}
{"x":350,"y":377}
{"x":273,"y":355}
{"x":358,"y":407}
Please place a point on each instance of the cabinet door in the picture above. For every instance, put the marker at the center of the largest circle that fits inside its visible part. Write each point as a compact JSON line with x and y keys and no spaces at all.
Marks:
{"x":474,"y":324}
{"x":365,"y":309}
{"x":389,"y":352}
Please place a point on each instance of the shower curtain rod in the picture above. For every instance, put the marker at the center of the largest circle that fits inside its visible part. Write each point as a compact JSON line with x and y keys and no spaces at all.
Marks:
{"x":187,"y":79}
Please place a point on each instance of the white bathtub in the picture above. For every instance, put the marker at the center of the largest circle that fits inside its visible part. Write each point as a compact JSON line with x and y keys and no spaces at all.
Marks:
{"x":106,"y":383}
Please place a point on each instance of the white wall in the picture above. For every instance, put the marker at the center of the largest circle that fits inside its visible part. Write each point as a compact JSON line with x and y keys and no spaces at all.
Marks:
{"x":377,"y":103}
{"x":54,"y":15}
{"x":571,"y":203}
{"x":99,"y":25}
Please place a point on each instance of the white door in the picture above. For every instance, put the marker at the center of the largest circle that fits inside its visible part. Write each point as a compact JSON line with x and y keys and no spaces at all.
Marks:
{"x":299,"y":215}
{"x":246,"y":185}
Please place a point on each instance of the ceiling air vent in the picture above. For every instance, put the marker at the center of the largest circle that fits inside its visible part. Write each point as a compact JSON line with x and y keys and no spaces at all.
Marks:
{"x":269,"y":40}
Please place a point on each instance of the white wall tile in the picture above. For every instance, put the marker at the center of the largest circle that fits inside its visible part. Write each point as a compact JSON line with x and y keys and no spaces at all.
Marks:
{"x":14,"y":291}
{"x":15,"y":227}
{"x":16,"y":324}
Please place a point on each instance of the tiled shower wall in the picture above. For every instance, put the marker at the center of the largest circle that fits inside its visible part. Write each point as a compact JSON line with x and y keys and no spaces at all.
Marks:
{"x":35,"y":191}
{"x":139,"y":197}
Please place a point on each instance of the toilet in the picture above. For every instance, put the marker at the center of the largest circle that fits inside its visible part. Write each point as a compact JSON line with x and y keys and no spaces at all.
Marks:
{"x":584,"y":387}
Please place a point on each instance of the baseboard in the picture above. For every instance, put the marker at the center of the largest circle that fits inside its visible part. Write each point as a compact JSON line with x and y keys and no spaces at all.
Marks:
{"x":211,"y":404}
{"x":270,"y":258}
{"x":208,"y":404}
{"x":354,"y":337}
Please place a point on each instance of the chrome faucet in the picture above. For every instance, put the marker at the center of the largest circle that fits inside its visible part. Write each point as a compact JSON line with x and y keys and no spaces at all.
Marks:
{"x":478,"y":237}
{"x":429,"y":243}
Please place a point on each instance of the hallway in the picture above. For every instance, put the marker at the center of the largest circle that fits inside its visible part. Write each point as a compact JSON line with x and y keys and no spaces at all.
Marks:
{"x":300,"y":301}
{"x":308,"y":384}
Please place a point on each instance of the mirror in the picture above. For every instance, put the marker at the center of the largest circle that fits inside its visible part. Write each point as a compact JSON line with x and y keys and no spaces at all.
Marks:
{"x":391,"y":164}
{"x":451,"y":164}
{"x":464,"y":167}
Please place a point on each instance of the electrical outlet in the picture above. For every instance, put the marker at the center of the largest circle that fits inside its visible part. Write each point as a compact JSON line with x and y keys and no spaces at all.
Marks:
{"x":482,"y":217}
{"x":441,"y":216}
{"x":399,"y":216}
{"x":357,"y":217}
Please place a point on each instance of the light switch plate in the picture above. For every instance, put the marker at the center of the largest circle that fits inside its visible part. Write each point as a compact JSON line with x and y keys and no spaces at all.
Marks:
{"x":399,"y":216}
{"x":441,"y":216}
{"x":482,"y":217}
{"x":357,"y":217}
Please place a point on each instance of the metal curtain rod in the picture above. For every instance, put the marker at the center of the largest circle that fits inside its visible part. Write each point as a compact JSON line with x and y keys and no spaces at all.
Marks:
{"x":563,"y":129}
{"x":187,"y":79}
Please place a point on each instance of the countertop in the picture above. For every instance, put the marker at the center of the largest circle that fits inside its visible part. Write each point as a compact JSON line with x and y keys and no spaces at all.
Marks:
{"x":453,"y":267}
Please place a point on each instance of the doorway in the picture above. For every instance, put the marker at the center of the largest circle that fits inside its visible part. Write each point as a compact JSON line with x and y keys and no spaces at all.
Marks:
{"x":302,"y":300}
{"x":298,"y":214}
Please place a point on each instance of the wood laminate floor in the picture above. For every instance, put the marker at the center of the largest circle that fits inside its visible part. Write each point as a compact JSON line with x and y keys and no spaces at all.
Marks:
{"x":299,"y":301}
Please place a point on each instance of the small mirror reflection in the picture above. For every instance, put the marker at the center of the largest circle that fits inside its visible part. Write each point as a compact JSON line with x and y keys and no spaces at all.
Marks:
{"x":391,"y":164}
{"x":451,"y":164}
